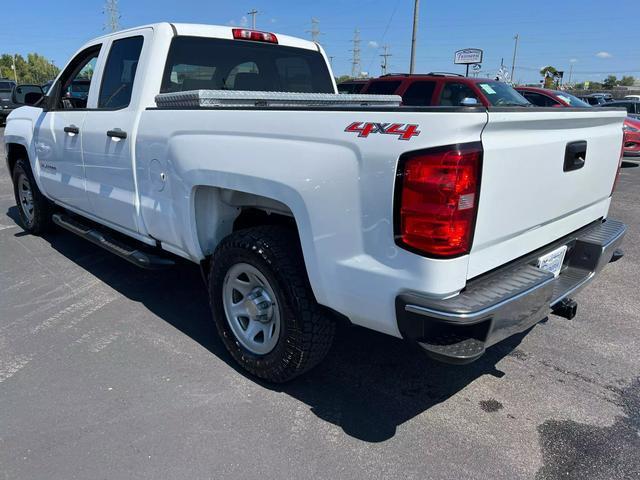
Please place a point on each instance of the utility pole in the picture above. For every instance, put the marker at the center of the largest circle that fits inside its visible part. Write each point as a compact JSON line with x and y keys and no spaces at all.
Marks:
{"x":414,"y":35}
{"x":355,"y":60}
{"x":515,"y":51}
{"x":385,"y":56}
{"x":253,"y":14}
{"x":331,"y":57}
{"x":570,"y":72}
{"x":315,"y":30}
{"x":112,"y":23}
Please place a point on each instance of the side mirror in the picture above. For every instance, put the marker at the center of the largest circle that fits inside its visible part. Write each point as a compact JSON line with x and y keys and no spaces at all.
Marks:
{"x":469,"y":102}
{"x":27,"y":94}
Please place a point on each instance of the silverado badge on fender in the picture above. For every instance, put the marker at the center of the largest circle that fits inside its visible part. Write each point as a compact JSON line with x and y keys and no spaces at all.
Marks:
{"x":404,"y":131}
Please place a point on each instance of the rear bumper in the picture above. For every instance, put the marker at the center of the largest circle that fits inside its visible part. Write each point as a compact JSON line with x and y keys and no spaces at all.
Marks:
{"x":507,"y":300}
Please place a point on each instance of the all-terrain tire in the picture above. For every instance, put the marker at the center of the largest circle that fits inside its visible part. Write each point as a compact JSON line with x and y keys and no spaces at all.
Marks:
{"x":306,"y":328}
{"x":35,"y":215}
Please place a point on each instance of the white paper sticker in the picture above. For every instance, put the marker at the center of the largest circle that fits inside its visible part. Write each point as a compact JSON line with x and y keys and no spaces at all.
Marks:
{"x":487,"y":88}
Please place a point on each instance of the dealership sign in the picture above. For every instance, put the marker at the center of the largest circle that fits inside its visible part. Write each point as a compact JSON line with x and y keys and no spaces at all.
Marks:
{"x":468,"y":56}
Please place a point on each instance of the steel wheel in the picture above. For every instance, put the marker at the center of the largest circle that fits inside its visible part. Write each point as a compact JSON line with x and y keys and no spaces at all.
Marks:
{"x":250,"y":308}
{"x":25,"y":195}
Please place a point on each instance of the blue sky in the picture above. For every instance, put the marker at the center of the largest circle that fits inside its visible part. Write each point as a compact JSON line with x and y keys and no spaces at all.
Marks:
{"x":597,"y":40}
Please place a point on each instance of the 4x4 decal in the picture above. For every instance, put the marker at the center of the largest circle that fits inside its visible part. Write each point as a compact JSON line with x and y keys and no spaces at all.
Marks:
{"x":404,"y":131}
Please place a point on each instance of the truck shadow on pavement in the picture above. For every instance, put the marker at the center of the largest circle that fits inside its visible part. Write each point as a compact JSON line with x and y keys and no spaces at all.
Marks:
{"x":368,"y":385}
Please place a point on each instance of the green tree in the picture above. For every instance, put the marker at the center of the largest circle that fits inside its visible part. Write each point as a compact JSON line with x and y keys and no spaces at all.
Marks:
{"x":610,"y":82}
{"x":342,"y":78}
{"x":627,"y":81}
{"x":34,"y":69}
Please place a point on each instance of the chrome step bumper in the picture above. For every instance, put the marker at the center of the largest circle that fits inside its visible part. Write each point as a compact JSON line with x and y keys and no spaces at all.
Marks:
{"x":508,"y":300}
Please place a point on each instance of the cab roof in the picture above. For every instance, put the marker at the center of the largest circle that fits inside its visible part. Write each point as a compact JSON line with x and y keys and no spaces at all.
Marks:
{"x":215,"y":31}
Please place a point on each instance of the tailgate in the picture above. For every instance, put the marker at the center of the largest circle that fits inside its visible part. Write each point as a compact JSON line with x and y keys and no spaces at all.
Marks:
{"x":529,"y":195}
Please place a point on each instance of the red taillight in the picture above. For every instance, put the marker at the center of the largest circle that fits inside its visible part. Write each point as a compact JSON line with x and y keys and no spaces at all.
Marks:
{"x":437,"y":199}
{"x":256,"y":36}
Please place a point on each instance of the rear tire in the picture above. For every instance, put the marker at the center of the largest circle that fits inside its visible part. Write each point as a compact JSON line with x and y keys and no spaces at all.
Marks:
{"x":34,"y":209}
{"x":258,"y":283}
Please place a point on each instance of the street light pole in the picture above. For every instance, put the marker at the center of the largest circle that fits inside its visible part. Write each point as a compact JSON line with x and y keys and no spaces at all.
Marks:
{"x":414,"y":36}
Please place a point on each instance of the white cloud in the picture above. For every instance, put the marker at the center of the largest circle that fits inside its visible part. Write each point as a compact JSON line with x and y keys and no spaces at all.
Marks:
{"x":373,"y":44}
{"x":273,"y":20}
{"x":603,"y":55}
{"x":243,"y":22}
{"x":573,"y":60}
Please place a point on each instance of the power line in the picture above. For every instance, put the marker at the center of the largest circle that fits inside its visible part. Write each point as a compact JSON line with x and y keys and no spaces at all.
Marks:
{"x":385,"y":57}
{"x":315,"y":30}
{"x":355,"y":60}
{"x":112,"y":22}
{"x":253,"y":14}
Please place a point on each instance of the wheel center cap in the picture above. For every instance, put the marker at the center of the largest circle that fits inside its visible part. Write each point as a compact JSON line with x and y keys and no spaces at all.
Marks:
{"x":259,"y":305}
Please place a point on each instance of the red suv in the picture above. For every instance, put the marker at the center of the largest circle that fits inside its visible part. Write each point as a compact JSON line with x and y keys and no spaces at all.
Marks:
{"x":445,"y":89}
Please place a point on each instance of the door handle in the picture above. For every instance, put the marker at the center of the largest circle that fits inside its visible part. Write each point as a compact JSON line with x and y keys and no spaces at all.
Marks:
{"x":575,"y":155}
{"x":117,"y":133}
{"x":72,"y":129}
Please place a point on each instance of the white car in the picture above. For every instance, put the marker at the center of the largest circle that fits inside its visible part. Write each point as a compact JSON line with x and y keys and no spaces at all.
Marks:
{"x":453,"y":227}
{"x":632,"y":97}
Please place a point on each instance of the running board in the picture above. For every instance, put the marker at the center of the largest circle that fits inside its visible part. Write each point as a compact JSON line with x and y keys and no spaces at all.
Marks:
{"x":130,"y":253}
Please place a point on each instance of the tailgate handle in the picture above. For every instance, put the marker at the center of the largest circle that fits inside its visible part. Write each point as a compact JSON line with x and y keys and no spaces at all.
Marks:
{"x":575,"y":155}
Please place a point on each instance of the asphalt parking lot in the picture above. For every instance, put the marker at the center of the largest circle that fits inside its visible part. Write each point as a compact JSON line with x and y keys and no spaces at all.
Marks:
{"x":108,"y":371}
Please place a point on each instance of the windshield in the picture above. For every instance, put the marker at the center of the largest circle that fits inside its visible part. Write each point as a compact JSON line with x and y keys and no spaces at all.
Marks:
{"x":196,"y":63}
{"x":502,"y":95}
{"x":571,"y":100}
{"x":6,"y":86}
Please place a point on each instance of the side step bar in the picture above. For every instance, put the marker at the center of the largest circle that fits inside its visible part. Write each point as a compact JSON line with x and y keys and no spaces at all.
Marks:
{"x":103,"y":239}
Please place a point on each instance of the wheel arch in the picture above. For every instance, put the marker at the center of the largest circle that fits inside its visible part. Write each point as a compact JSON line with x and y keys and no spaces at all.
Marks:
{"x":15,"y":151}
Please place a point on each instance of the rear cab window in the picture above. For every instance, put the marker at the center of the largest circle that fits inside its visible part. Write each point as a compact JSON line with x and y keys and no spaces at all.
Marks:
{"x":199,"y":63}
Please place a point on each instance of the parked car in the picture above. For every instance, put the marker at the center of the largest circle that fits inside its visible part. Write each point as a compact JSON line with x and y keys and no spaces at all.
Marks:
{"x":6,"y":106}
{"x":351,"y":86}
{"x":593,"y":100}
{"x":79,"y":89}
{"x":445,"y":89}
{"x":47,"y":86}
{"x":631,"y":129}
{"x":632,"y":97}
{"x":632,"y":106}
{"x":544,"y":97}
{"x":451,"y":227}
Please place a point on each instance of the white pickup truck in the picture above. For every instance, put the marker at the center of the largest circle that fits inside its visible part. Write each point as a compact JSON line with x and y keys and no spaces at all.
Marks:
{"x":452,"y":227}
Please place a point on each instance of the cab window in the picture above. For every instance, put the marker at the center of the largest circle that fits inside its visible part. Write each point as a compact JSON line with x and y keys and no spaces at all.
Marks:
{"x":75,"y":81}
{"x":119,"y":73}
